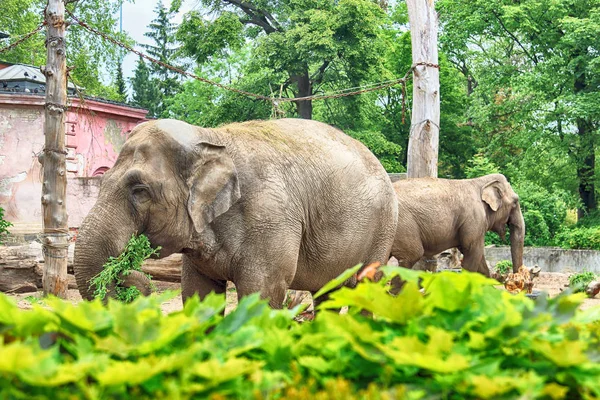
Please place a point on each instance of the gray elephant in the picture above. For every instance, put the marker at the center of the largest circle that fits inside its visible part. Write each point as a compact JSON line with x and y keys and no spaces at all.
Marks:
{"x":438,"y":214}
{"x":268,"y":205}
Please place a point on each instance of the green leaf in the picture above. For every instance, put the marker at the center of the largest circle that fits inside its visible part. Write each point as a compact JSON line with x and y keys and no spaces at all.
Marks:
{"x":339,"y":281}
{"x":84,"y":317}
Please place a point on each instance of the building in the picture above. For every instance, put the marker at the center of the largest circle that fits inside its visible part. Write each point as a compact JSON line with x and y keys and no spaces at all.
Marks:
{"x":95,"y":132}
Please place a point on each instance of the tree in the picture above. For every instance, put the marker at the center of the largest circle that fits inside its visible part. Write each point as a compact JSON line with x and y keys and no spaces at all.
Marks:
{"x":164,"y":49}
{"x":145,"y":91}
{"x":310,"y":43}
{"x":120,"y":83}
{"x":89,"y":55}
{"x":537,"y":88}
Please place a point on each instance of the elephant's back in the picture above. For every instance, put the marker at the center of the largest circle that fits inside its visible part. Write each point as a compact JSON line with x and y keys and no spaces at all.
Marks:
{"x":300,"y":140}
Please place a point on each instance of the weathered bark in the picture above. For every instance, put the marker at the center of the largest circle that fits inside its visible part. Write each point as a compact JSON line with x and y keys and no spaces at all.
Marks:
{"x":54,"y":187}
{"x":425,"y":120}
{"x":304,"y":89}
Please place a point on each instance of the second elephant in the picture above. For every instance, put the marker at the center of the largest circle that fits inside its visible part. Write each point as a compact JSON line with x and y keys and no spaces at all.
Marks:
{"x":438,"y":214}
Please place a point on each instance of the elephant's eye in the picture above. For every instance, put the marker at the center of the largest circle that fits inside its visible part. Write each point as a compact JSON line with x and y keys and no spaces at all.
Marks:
{"x":140,"y":193}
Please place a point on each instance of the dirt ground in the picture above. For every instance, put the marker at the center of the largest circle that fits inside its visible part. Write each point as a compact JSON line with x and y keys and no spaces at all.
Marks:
{"x":550,"y":282}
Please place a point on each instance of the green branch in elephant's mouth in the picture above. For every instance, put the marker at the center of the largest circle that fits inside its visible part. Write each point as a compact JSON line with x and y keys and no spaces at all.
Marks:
{"x":115,"y":270}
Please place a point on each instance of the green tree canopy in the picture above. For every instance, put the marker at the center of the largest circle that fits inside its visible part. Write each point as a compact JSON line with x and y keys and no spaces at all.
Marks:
{"x":90,"y":55}
{"x":308,"y":43}
{"x":532,"y":68}
{"x":164,"y":48}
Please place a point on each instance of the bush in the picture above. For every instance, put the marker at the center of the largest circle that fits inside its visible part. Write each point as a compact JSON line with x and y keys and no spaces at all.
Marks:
{"x":4,"y":225}
{"x":580,"y":281}
{"x":137,"y":250}
{"x":464,"y":339}
{"x":579,"y":237}
{"x":503,"y":267}
{"x":544,"y":213}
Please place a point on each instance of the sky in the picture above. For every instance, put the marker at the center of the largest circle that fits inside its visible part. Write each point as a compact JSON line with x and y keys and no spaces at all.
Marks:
{"x":136,"y":18}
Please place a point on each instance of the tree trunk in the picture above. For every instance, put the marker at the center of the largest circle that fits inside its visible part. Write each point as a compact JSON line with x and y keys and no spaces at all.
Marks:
{"x":425,"y":121}
{"x":56,"y":232}
{"x":304,"y":89}
{"x":586,"y":154}
{"x":586,"y":167}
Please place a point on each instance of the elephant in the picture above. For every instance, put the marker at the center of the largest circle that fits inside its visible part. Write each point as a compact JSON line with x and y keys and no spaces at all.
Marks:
{"x":269,"y":205}
{"x":438,"y":214}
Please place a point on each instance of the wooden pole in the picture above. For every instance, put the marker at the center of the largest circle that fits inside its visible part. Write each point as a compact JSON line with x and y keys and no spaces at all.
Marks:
{"x":54,"y":187}
{"x":425,"y":121}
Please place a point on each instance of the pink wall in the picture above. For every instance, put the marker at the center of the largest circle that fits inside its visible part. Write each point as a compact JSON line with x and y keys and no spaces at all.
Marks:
{"x":95,"y":134}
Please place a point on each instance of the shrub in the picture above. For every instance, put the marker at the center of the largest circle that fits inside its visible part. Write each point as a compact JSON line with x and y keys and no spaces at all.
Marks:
{"x":544,"y":213}
{"x":580,"y":281}
{"x":579,"y":237}
{"x":463,"y":339}
{"x":4,"y":225}
{"x":137,"y":250}
{"x":504,"y":267}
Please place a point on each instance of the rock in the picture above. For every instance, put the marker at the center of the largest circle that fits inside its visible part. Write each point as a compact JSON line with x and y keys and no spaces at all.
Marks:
{"x":593,"y":288}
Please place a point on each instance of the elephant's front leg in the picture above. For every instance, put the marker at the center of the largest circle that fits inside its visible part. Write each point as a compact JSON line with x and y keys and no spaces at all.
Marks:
{"x":268,"y":266}
{"x":474,"y":260}
{"x":193,"y":281}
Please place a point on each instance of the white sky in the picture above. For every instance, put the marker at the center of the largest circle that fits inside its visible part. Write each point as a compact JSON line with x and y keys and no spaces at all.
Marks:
{"x":136,"y":18}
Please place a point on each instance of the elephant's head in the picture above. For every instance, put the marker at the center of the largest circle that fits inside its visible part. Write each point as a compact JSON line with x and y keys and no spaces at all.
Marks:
{"x":167,"y":183}
{"x":502,"y":208}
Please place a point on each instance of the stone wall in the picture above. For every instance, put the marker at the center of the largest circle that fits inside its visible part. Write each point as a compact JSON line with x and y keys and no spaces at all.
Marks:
{"x":550,"y":259}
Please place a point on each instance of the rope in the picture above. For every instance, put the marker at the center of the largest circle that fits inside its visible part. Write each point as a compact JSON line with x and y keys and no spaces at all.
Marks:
{"x":274,"y":101}
{"x":24,"y":38}
{"x":162,"y":64}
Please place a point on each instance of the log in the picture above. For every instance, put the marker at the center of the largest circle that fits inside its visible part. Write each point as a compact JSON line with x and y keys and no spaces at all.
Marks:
{"x":21,"y":268}
{"x":167,"y":269}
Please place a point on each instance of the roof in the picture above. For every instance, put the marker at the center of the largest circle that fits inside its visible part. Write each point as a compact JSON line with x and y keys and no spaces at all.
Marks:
{"x":20,"y":72}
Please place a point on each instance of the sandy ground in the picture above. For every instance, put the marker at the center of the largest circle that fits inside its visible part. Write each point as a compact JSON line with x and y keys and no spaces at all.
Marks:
{"x":550,"y":282}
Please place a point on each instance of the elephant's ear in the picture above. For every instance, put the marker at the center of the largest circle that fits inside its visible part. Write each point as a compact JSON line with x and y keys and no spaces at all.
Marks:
{"x":491,"y":193}
{"x":213,"y":185}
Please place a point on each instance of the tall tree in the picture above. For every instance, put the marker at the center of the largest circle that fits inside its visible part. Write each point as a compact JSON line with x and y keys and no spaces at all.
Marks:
{"x":120,"y":83}
{"x":536,"y":67}
{"x":144,"y":89}
{"x":310,"y":42}
{"x":164,"y":48}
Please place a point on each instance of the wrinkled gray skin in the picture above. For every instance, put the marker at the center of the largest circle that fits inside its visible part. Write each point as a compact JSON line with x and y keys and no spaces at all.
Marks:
{"x":438,"y":214}
{"x":268,"y":205}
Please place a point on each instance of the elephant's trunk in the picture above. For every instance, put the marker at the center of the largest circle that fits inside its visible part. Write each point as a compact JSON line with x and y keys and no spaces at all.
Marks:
{"x":517,"y":237}
{"x":103,"y":233}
